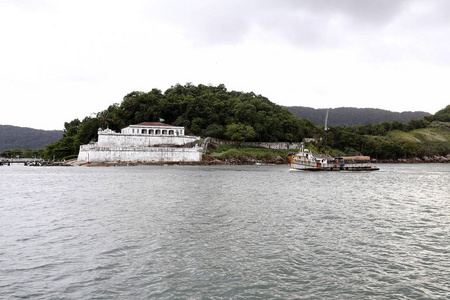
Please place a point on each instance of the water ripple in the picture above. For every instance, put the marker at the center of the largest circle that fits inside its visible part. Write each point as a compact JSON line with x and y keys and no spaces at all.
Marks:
{"x":225,"y":232}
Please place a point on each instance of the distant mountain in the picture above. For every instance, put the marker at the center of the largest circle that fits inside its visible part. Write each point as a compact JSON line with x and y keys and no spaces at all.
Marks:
{"x":14,"y":137}
{"x":354,"y":116}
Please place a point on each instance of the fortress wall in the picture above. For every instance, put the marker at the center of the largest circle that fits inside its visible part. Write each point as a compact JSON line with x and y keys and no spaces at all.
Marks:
{"x":279,"y":145}
{"x":140,"y":140}
{"x":124,"y":154}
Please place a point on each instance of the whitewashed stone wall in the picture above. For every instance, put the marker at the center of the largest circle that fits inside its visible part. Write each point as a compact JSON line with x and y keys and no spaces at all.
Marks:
{"x":112,"y":139}
{"x":93,"y":153}
{"x":139,"y":147}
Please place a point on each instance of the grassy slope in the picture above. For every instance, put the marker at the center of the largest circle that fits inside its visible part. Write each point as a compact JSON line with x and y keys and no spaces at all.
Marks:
{"x":433,"y":139}
{"x":223,"y":152}
{"x":427,"y":141}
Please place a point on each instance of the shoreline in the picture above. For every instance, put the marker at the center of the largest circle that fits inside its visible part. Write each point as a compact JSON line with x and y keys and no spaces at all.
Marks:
{"x":245,"y":161}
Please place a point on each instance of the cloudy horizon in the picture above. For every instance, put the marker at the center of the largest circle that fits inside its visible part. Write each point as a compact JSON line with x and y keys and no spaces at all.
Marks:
{"x":63,"y":60}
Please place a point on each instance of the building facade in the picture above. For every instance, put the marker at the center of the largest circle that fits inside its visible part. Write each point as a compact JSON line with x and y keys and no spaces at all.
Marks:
{"x":144,"y":142}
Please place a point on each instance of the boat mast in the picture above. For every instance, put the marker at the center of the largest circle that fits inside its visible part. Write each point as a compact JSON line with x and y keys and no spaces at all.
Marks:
{"x":325,"y":129}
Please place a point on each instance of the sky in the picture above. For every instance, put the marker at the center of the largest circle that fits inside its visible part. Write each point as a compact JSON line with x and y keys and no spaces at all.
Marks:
{"x":61,"y":60}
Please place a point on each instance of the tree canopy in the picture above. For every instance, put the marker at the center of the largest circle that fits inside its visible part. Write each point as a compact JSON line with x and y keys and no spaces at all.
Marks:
{"x":203,"y":110}
{"x":216,"y":112}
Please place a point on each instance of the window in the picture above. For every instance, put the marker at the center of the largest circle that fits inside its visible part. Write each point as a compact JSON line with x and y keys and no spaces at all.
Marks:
{"x":170,"y":132}
{"x":158,"y":131}
{"x":144,"y":131}
{"x":151,"y":131}
{"x":164,"y":132}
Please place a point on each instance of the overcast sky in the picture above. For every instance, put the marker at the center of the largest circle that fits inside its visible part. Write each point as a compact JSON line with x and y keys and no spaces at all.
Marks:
{"x":61,"y":60}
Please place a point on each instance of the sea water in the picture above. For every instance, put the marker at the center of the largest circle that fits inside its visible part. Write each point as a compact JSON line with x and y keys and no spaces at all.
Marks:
{"x":224,"y":232}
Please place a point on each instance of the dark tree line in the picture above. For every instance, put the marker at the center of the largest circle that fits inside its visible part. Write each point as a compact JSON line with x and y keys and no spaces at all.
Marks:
{"x":359,"y":116}
{"x":203,"y":110}
{"x":215,"y":112}
{"x":374,"y":139}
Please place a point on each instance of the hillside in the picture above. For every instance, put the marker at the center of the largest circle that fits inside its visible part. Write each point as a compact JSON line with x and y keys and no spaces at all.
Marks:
{"x":208,"y":111}
{"x":349,"y":116}
{"x":14,"y":137}
{"x":425,"y":143}
{"x":420,"y":139}
{"x":213,"y":111}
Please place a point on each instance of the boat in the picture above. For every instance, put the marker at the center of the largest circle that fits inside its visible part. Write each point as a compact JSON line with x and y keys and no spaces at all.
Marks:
{"x":305,"y":160}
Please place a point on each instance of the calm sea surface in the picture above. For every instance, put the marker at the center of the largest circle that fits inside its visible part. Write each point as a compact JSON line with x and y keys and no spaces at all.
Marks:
{"x":224,"y":232}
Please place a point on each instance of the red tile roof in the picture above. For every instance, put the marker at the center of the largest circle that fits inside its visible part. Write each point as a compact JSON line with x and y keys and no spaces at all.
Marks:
{"x":152,"y":124}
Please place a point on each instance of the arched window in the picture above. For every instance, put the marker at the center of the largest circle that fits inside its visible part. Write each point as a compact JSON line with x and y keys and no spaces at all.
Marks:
{"x":158,"y":131}
{"x":151,"y":131}
{"x":144,"y":131}
{"x":164,"y":132}
{"x":170,"y":132}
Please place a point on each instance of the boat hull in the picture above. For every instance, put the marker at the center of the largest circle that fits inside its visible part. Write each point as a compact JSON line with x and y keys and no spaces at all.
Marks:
{"x":304,"y":163}
{"x":330,"y":169}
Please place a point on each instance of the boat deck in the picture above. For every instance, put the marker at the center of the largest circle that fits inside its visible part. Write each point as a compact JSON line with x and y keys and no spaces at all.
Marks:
{"x":367,"y":168}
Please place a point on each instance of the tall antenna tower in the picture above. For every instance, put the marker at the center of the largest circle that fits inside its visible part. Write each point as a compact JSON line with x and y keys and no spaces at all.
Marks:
{"x":326,"y":129}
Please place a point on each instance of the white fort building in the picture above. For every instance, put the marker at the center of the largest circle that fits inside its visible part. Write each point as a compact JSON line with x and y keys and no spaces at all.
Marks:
{"x":143,"y":142}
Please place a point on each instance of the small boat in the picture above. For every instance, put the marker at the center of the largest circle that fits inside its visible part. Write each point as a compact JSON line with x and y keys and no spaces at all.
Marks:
{"x":307,"y":161}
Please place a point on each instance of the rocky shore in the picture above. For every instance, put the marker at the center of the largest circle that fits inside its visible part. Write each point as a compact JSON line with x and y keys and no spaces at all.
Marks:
{"x":251,"y":161}
{"x":416,"y":160}
{"x":205,"y":162}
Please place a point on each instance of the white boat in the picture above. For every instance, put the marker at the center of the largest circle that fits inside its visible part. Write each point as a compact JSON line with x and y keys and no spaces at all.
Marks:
{"x":307,"y":161}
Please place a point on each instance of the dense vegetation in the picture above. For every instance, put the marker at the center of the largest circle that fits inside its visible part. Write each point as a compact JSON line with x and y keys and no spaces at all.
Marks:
{"x":27,"y":153}
{"x":247,"y":153}
{"x":12,"y":137}
{"x":383,"y":141}
{"x":393,"y":140}
{"x":202,"y":110}
{"x":215,"y":112}
{"x":348,"y":116}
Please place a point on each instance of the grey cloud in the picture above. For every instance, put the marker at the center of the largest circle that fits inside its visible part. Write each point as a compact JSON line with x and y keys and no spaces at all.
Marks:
{"x":366,"y":12}
{"x":321,"y":24}
{"x":329,"y":23}
{"x":228,"y":21}
{"x":207,"y":22}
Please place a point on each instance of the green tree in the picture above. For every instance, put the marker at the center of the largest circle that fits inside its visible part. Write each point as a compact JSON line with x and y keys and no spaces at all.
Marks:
{"x":240,"y":132}
{"x":13,"y":153}
{"x":202,"y":110}
{"x":442,"y":116}
{"x":28,"y":153}
{"x":215,"y":130}
{"x":417,"y":124}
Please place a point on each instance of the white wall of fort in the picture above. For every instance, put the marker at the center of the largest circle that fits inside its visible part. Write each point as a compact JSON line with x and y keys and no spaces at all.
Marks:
{"x":141,"y":143}
{"x":149,"y":154}
{"x":113,"y":139}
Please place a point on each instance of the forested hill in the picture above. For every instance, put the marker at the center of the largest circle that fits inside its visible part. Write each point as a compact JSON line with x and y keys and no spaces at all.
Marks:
{"x":349,"y":116}
{"x":14,"y":137}
{"x":208,"y":111}
{"x":213,"y":111}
